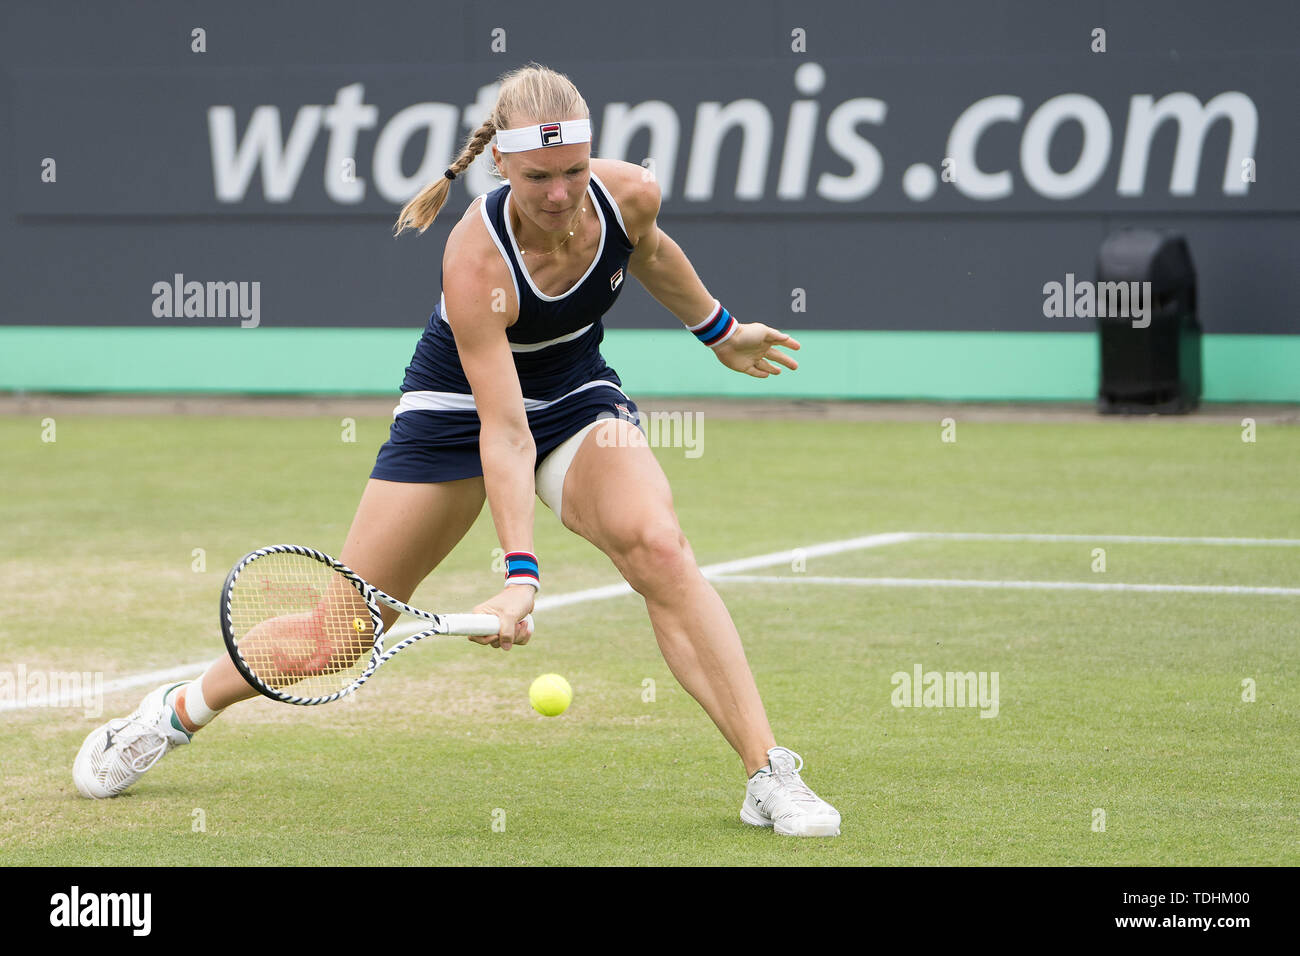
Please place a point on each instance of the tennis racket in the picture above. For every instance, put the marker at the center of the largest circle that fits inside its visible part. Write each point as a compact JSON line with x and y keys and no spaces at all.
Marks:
{"x":304,"y":628}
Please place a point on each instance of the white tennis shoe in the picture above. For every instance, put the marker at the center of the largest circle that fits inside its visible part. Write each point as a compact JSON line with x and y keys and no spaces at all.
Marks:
{"x":117,"y":754}
{"x":777,"y":797}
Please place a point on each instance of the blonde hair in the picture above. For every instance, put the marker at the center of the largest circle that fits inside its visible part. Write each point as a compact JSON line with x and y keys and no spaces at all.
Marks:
{"x":531,"y":92}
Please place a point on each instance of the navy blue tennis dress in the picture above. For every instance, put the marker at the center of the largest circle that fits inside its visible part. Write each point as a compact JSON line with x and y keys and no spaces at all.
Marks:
{"x":556,"y":346}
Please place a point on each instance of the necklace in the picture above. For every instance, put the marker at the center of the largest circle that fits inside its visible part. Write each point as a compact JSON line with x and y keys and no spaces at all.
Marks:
{"x":562,"y":244}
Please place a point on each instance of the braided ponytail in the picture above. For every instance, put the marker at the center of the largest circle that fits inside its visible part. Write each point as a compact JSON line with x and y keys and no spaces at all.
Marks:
{"x":420,"y":212}
{"x":531,"y":92}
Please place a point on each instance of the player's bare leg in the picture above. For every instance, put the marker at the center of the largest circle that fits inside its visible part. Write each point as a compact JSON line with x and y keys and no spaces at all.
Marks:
{"x":616,"y":496}
{"x":401,"y":531}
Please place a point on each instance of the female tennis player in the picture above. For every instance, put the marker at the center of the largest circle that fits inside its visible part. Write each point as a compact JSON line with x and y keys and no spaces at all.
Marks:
{"x":505,"y":398}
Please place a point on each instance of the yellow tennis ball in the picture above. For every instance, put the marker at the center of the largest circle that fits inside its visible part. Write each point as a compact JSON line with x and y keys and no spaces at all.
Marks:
{"x":550,"y":695}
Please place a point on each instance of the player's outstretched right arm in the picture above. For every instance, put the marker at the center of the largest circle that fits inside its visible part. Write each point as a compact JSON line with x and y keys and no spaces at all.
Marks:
{"x":473,"y":283}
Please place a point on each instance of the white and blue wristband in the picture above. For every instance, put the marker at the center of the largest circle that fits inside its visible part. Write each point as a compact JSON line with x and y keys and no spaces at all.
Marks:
{"x":521,"y":568}
{"x":717,"y":328}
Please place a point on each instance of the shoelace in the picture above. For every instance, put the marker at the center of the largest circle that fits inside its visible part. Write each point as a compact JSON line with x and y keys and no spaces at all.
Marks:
{"x":798,"y":791}
{"x":149,"y":755}
{"x":785,"y":750}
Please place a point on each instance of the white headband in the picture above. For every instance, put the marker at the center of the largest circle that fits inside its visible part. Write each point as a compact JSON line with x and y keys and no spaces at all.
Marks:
{"x":544,"y":134}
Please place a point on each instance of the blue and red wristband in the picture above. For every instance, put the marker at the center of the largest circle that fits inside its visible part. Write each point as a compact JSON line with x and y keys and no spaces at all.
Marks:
{"x":717,"y":328}
{"x":521,"y":568}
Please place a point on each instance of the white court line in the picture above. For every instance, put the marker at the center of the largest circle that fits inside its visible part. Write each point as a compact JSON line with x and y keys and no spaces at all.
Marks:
{"x":1021,"y":585}
{"x":725,"y":571}
{"x":72,"y":699}
{"x":709,"y":571}
{"x":543,"y":603}
{"x":1109,"y":538}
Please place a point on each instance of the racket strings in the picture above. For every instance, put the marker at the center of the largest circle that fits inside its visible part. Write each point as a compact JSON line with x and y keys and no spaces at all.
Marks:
{"x":299,"y":625}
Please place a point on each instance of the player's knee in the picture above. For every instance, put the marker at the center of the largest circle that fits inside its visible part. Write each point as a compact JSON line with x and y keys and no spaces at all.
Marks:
{"x":653,"y":555}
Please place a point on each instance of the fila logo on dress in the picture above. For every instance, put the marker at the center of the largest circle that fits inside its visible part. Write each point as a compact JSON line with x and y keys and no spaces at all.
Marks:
{"x":616,"y":280}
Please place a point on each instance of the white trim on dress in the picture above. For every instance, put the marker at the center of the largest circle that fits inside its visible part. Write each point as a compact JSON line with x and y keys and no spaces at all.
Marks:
{"x":464,"y":401}
{"x":618,"y":214}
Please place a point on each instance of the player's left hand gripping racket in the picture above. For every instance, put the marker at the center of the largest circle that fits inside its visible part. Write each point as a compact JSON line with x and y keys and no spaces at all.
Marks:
{"x":304,"y":628}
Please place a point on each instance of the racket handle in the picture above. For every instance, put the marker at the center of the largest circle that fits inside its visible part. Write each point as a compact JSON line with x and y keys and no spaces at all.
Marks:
{"x":478,"y":625}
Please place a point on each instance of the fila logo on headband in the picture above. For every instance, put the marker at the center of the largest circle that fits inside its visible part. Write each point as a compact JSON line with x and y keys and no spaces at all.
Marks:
{"x":563,"y":133}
